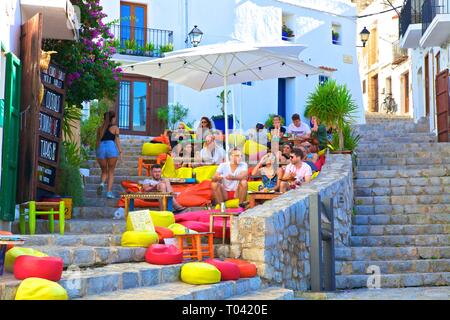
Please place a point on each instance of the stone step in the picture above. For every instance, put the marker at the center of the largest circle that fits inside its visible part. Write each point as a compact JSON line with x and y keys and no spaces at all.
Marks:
{"x":117,"y":179}
{"x":407,"y":160}
{"x":403,"y":154}
{"x":399,"y":138}
{"x":93,"y":212}
{"x":395,"y":280}
{"x":414,"y":181}
{"x":91,"y":188}
{"x":402,"y":135}
{"x":396,"y":191}
{"x":92,"y":281}
{"x":270,"y":293}
{"x":401,"y":219}
{"x":121,"y":171}
{"x":183,"y":291}
{"x":391,"y":253}
{"x":400,"y":229}
{"x":380,"y":146}
{"x":393,"y":266}
{"x":88,"y":256}
{"x":401,"y":209}
{"x":92,"y":200}
{"x":425,"y":240}
{"x":431,"y":171}
{"x":79,"y":226}
{"x":383,"y":197}
{"x":74,"y":240}
{"x":397,"y":167}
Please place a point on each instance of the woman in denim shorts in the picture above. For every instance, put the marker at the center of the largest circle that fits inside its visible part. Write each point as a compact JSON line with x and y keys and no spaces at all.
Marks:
{"x":108,"y":151}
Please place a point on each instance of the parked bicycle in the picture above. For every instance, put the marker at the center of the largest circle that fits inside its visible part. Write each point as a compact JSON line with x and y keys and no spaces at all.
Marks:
{"x":389,"y":104}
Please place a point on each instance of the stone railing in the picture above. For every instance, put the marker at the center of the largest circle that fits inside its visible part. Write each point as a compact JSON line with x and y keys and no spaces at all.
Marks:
{"x":275,"y":235}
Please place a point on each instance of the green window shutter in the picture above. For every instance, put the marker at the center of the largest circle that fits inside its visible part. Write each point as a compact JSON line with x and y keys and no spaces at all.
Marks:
{"x":10,"y":137}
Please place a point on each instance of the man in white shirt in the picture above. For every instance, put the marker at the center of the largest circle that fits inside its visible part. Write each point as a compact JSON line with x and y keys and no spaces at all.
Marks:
{"x":212,"y":153}
{"x":296,"y":173}
{"x":298,"y":128}
{"x":230,"y":180}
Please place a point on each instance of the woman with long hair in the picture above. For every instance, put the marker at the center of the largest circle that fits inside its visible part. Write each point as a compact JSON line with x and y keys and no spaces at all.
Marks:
{"x":108,"y":151}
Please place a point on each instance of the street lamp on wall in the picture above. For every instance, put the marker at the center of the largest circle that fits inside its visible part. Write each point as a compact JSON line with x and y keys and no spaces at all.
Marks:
{"x":195,"y":36}
{"x":364,"y":36}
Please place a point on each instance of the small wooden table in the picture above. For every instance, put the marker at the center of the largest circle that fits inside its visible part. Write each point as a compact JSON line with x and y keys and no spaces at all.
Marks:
{"x":224,"y":215}
{"x":261,"y":197}
{"x":196,"y":250}
{"x":165,"y":200}
{"x":3,"y":245}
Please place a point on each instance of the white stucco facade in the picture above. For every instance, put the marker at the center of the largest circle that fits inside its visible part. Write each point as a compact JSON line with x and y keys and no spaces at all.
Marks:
{"x":387,"y":67}
{"x":260,"y":21}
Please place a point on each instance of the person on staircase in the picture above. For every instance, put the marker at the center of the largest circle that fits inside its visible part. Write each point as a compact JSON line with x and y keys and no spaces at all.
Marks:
{"x":108,"y":151}
{"x":159,"y":184}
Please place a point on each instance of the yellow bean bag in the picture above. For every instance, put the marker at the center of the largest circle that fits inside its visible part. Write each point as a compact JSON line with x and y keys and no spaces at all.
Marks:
{"x":159,"y":219}
{"x":184,"y":173}
{"x":240,"y":139}
{"x":139,"y":239}
{"x":154,"y":149}
{"x":200,"y":273}
{"x":40,"y":289}
{"x":230,"y":204}
{"x":314,"y":175}
{"x":168,"y":169}
{"x":251,"y":147}
{"x":322,"y":152}
{"x":180,"y":229}
{"x":14,"y":253}
{"x":204,"y":173}
{"x":253,"y":185}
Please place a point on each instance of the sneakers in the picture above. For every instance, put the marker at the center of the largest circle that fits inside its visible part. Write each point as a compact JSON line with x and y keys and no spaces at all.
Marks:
{"x":100,"y":189}
{"x":110,"y":195}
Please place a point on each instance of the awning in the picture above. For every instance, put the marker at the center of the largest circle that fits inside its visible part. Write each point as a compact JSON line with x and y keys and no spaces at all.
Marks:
{"x":59,"y":18}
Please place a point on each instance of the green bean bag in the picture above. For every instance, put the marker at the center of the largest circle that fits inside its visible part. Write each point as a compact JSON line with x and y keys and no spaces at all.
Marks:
{"x":200,"y":273}
{"x":139,"y":239}
{"x":12,"y":254}
{"x":40,"y":289}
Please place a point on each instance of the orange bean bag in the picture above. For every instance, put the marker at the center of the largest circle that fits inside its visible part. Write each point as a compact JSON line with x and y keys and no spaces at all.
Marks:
{"x":228,"y":270}
{"x":162,"y":254}
{"x":163,"y":233}
{"x":246,"y":269}
{"x":196,"y":196}
{"x":49,"y":268}
{"x":7,"y":233}
{"x":130,"y":186}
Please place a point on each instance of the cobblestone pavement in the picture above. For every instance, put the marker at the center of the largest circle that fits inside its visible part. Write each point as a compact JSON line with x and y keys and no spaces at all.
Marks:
{"x":423,"y":293}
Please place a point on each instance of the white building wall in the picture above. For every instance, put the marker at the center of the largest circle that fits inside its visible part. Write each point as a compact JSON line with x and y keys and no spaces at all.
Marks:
{"x":260,"y":21}
{"x":387,"y":29}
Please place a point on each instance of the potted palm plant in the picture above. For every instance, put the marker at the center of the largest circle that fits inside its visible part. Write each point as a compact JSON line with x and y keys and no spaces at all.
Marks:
{"x":219,"y":120}
{"x":333,"y":104}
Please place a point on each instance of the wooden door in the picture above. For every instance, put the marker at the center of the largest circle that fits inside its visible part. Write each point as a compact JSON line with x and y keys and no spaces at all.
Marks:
{"x":427,"y":86}
{"x":374,"y":87}
{"x":159,"y":98}
{"x":30,"y":49}
{"x":406,"y":92}
{"x":443,"y":106}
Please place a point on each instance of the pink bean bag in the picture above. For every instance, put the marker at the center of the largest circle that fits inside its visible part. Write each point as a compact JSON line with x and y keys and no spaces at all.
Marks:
{"x":163,"y":254}
{"x":49,"y":268}
{"x":163,"y":233}
{"x":228,"y":270}
{"x":246,"y":269}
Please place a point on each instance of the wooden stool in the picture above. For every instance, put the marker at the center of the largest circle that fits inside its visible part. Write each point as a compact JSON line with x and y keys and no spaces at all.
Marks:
{"x":224,"y":216}
{"x":42,"y":208}
{"x":196,"y":250}
{"x":145,"y":162}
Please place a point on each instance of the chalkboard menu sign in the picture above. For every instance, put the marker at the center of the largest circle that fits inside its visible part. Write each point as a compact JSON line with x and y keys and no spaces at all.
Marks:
{"x":49,"y":133}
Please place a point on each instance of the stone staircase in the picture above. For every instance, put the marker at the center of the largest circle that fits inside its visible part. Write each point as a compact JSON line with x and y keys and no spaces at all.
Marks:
{"x":97,"y":267}
{"x":401,"y":221}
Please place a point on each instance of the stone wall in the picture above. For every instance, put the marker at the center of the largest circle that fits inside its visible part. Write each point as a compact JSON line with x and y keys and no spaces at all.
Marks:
{"x":275,"y":235}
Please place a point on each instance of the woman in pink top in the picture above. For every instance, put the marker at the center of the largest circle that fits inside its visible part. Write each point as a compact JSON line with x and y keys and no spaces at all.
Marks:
{"x":296,"y":173}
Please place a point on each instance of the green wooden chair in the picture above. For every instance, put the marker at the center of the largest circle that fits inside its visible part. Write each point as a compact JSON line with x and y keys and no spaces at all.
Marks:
{"x":42,"y":208}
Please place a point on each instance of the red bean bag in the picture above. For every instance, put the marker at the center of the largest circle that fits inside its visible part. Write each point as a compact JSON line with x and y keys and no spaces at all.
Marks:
{"x":228,"y":270}
{"x":7,"y":233}
{"x":246,"y":269}
{"x":200,"y":226}
{"x":163,"y":254}
{"x":320,"y":162}
{"x":202,"y":215}
{"x":163,"y":233}
{"x":49,"y":268}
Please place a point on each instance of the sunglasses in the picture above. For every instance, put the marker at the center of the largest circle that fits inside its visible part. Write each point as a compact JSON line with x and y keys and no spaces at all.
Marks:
{"x":291,"y":157}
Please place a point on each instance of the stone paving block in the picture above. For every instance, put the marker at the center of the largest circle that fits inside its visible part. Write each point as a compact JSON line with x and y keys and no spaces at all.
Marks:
{"x":101,"y":284}
{"x":150,"y":277}
{"x":83,"y":256}
{"x":171,"y":274}
{"x":130,"y":280}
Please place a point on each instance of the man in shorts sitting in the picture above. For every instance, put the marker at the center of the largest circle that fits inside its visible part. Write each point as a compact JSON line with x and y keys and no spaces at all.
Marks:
{"x":230,"y":180}
{"x":159,"y":184}
{"x":296,"y":173}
